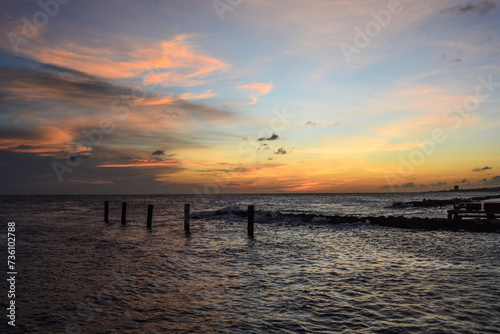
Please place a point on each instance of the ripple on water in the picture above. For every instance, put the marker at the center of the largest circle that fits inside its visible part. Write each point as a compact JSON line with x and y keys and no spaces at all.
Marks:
{"x":87,"y":276}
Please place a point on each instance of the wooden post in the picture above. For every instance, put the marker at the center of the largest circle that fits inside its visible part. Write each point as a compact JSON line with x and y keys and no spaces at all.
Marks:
{"x":186,"y":217}
{"x":124,"y":212}
{"x":250,"y":221}
{"x":106,"y":211}
{"x":150,"y":216}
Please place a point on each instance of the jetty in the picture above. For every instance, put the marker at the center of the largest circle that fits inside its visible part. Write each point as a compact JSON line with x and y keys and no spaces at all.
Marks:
{"x":443,"y":224}
{"x":474,"y":210}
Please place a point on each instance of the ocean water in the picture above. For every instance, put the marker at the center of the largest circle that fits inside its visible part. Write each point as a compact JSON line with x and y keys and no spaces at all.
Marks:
{"x":77,"y":274}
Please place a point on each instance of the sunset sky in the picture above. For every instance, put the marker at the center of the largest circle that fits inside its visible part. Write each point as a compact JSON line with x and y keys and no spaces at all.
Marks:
{"x":248,"y":96}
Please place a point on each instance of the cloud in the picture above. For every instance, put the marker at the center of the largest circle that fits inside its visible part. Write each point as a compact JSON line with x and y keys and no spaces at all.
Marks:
{"x":273,"y":137}
{"x":313,"y":123}
{"x":281,"y":150}
{"x":175,"y":62}
{"x":494,"y":181}
{"x":257,"y":89}
{"x":479,"y":169}
{"x":389,"y":187}
{"x":438,"y":184}
{"x":23,"y":147}
{"x":307,"y":185}
{"x":408,"y":185}
{"x":260,"y":88}
{"x":481,"y":8}
{"x":140,"y":162}
{"x":158,"y":152}
{"x":45,"y":81}
{"x":28,"y":173}
{"x":232,"y":170}
{"x":190,"y":96}
{"x":47,"y":112}
{"x":264,"y":147}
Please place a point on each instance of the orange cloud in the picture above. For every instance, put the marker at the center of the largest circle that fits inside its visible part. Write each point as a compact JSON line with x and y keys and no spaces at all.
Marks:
{"x":259,"y":87}
{"x":143,"y":162}
{"x":48,"y":141}
{"x":305,"y":186}
{"x":189,"y":96}
{"x":176,"y":62}
{"x":169,"y":99}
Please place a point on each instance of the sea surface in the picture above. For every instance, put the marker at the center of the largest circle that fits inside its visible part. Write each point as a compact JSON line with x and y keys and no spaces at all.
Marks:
{"x":78,"y":274}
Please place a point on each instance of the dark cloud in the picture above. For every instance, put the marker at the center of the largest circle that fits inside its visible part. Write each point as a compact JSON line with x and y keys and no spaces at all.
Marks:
{"x":280,"y":150}
{"x":264,"y":147}
{"x":172,"y":114}
{"x":198,"y":111}
{"x":78,"y":156}
{"x":52,"y":82}
{"x":494,"y":181}
{"x":23,"y":147}
{"x":479,"y":169}
{"x":158,"y":152}
{"x":335,"y":124}
{"x":28,"y":173}
{"x":408,"y":185}
{"x":231,"y":170}
{"x":438,"y":184}
{"x":389,"y":187}
{"x":38,"y":100}
{"x":273,"y":137}
{"x":480,"y":7}
{"x":61,"y":82}
{"x":13,"y":128}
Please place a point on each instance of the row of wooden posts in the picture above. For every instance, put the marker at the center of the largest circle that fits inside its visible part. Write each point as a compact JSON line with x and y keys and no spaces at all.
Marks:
{"x":149,"y":219}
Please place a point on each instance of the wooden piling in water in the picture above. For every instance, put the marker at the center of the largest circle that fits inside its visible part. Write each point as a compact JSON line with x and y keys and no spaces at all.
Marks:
{"x":186,"y":217}
{"x":124,"y":212}
{"x":150,"y":216}
{"x":106,"y":211}
{"x":250,"y":221}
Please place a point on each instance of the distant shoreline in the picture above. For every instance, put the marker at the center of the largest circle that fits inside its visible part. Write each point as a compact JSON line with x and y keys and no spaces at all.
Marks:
{"x":491,"y":189}
{"x":465,"y":190}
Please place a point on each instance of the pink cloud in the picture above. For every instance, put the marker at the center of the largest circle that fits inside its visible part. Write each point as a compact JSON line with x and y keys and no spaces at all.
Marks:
{"x":257,"y":89}
{"x":189,"y":96}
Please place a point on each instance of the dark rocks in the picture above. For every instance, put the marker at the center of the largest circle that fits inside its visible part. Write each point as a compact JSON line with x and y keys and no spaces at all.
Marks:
{"x":472,"y":225}
{"x":427,"y":203}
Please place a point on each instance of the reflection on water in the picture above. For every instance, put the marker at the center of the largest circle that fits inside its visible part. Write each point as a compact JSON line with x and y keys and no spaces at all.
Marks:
{"x":80,"y":274}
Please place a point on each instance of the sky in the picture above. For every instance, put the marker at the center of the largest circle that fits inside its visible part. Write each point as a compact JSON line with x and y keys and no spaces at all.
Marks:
{"x":248,"y":96}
